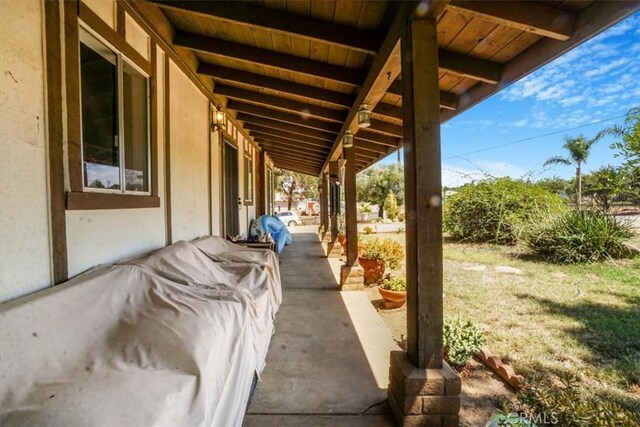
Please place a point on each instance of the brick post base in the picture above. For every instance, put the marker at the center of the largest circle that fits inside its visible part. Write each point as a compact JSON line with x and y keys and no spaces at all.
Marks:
{"x":351,"y":278}
{"x":423,"y":397}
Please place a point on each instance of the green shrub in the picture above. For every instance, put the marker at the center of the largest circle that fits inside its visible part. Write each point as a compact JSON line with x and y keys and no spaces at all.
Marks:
{"x":387,"y":251}
{"x":461,"y":341}
{"x":564,"y":403}
{"x":397,"y":284}
{"x":391,"y":206}
{"x":497,"y":210}
{"x":367,"y":230}
{"x":579,"y":237}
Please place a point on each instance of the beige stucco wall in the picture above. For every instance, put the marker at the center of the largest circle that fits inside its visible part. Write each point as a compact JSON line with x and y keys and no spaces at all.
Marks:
{"x":106,"y":236}
{"x":189,"y":141}
{"x":216,"y":184}
{"x":24,"y":223}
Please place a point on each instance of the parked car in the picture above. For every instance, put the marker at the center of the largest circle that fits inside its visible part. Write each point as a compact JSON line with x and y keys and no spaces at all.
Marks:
{"x":290,"y":218}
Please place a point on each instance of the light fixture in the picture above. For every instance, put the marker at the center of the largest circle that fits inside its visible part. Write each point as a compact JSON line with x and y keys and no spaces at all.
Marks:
{"x":364,"y":116}
{"x":218,"y":118}
{"x":347,"y":139}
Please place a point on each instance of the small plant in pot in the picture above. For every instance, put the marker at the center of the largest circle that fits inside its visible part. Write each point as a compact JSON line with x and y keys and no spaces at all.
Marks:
{"x":342,"y":237}
{"x":377,"y":256}
{"x":394,"y":291}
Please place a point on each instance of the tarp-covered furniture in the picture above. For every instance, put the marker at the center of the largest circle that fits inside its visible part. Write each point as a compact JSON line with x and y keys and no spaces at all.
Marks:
{"x":170,"y":339}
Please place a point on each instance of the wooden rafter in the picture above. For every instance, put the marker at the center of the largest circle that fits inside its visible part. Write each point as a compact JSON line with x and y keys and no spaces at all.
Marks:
{"x":269,"y":142}
{"x":289,"y":136}
{"x":378,"y":138}
{"x":281,"y":103}
{"x":448,"y":100}
{"x":283,"y":22}
{"x":388,"y":110}
{"x":288,"y":127}
{"x":593,"y":19}
{"x":316,"y":158}
{"x":531,"y":16}
{"x":383,"y":71}
{"x":292,"y":118}
{"x":468,"y":66}
{"x":281,"y":61}
{"x":385,"y":128}
{"x":372,"y":146}
{"x":279,"y":85}
{"x":296,"y":143}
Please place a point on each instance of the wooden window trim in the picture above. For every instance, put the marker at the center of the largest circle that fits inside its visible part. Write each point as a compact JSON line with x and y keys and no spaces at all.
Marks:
{"x":247,"y":159}
{"x":79,"y":198}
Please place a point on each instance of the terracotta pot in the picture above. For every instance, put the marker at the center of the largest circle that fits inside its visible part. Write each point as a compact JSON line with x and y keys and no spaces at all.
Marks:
{"x":392,"y":299}
{"x":342,"y":239}
{"x":373,"y":270}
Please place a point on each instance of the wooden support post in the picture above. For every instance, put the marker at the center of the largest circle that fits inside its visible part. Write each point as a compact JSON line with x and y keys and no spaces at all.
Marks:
{"x":351,"y":274}
{"x":423,"y":389}
{"x":324,"y":204}
{"x":423,"y":188}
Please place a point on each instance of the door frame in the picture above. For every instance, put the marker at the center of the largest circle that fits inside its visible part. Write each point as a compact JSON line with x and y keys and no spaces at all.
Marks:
{"x":226,"y":138}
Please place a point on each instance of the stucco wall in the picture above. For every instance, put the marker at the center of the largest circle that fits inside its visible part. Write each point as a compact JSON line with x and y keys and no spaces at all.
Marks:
{"x":105,"y":236}
{"x":189,"y":141}
{"x":24,"y":223}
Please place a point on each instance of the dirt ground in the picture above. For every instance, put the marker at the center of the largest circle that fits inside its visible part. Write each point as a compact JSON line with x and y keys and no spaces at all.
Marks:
{"x":482,"y":391}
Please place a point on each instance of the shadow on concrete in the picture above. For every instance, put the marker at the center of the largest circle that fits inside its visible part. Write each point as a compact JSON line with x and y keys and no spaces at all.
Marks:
{"x":330,"y":354}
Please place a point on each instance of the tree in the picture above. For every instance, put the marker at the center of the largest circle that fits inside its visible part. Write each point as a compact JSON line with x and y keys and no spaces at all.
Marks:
{"x":628,"y":139}
{"x":604,"y":185}
{"x":296,"y":186}
{"x":376,"y":183}
{"x":579,"y":149}
{"x":563,"y":187}
{"x":391,"y":206}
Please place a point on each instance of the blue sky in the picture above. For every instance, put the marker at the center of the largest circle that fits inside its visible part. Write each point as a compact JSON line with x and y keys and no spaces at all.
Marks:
{"x":598,"y":80}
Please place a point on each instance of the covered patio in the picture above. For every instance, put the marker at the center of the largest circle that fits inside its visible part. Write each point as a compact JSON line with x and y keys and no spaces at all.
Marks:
{"x":328,"y":361}
{"x":137,"y":125}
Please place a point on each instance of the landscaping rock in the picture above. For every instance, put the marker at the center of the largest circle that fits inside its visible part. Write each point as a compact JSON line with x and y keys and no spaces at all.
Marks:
{"x":508,"y":270}
{"x":475,"y":268}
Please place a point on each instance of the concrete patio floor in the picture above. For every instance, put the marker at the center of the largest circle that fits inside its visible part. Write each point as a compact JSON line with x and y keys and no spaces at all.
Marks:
{"x":328,"y":363}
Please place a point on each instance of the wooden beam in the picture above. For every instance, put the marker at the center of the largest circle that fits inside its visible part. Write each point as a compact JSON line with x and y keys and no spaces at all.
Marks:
{"x":372,"y":146}
{"x":448,"y":100}
{"x":467,"y":66}
{"x":283,"y":116}
{"x":296,"y":119}
{"x":299,"y":160}
{"x":301,"y":108}
{"x":289,"y":136}
{"x":294,"y":151}
{"x":531,"y":16}
{"x":297,"y":169}
{"x":283,"y":22}
{"x":592,"y":20}
{"x":279,"y":85}
{"x":288,"y":127}
{"x":268,"y":58}
{"x":378,"y":138}
{"x":388,"y":110}
{"x":292,"y":143}
{"x":383,"y":71}
{"x":385,"y":128}
{"x":277,"y":157}
{"x":423,"y":192}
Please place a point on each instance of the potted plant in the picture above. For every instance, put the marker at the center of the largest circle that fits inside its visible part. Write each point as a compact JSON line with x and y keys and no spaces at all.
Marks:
{"x":377,"y":255}
{"x":342,"y":237}
{"x":394,"y":291}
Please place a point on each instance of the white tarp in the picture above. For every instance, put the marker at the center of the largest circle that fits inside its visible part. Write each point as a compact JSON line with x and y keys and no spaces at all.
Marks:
{"x":122,"y":346}
{"x":183,"y":260}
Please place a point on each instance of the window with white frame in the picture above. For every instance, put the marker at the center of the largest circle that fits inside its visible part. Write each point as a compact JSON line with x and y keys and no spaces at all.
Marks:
{"x":115,"y":120}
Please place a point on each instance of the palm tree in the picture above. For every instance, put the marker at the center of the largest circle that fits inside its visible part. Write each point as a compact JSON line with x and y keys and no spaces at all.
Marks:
{"x":579,"y":149}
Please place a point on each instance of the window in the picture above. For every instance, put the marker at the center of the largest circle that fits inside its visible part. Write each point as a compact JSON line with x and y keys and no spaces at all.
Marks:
{"x":115,"y":120}
{"x":248,"y":179}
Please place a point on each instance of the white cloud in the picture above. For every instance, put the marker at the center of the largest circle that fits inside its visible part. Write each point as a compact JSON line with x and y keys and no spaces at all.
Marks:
{"x":605,"y":68}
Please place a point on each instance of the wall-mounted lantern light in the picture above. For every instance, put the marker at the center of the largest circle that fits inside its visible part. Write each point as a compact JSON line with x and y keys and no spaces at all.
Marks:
{"x":364,"y":116}
{"x":217,"y":121}
{"x":347,"y":139}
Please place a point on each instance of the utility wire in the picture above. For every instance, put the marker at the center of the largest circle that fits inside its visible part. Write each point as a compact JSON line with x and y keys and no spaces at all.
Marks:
{"x":495,"y":147}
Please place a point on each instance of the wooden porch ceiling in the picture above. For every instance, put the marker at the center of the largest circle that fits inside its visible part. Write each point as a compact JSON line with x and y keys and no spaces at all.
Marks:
{"x":294,"y":72}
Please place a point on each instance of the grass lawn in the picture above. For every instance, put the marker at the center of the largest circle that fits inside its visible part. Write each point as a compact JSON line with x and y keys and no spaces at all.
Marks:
{"x":579,"y":319}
